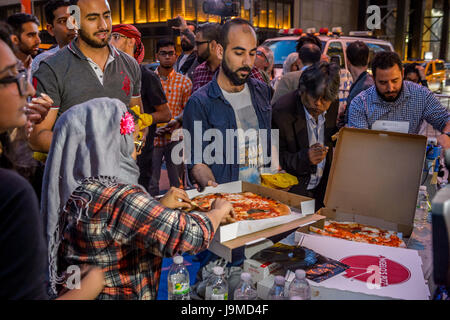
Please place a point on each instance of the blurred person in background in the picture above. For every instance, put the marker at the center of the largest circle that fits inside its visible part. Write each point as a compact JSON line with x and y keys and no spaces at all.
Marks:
{"x":289,"y":65}
{"x":127,"y":38}
{"x":264,"y":63}
{"x":358,"y":63}
{"x":414,"y":72}
{"x":308,"y":54}
{"x":187,"y":61}
{"x":56,"y":14}
{"x":177,"y":88}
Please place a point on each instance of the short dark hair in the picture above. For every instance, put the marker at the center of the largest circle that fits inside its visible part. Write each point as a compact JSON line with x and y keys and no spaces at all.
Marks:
{"x":193,"y":25}
{"x":210,"y":31}
{"x":385,"y":60}
{"x":52,"y":5}
{"x":5,"y":33}
{"x":226,"y":29}
{"x":321,"y":80}
{"x":164,"y":43}
{"x":358,"y":54}
{"x":18,"y":19}
{"x":309,"y":54}
{"x":411,"y":68}
{"x":309,"y":38}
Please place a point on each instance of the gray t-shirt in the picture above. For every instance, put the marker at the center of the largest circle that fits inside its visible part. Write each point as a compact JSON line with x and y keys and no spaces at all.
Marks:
{"x":69,"y":79}
{"x":250,"y":151}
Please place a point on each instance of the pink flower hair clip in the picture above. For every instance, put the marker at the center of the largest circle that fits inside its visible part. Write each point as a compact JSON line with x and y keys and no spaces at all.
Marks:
{"x":127,"y":124}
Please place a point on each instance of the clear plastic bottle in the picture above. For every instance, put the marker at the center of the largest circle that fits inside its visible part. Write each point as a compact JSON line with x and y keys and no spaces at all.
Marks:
{"x":245,"y":290}
{"x":422,"y":206}
{"x":178,"y":280}
{"x":423,"y":197}
{"x":217,"y":286}
{"x":277,"y":291}
{"x":299,"y":288}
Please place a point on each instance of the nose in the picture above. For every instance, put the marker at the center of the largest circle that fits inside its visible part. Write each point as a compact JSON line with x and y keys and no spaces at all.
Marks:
{"x":31,"y":92}
{"x":103,"y":24}
{"x":389,"y":86}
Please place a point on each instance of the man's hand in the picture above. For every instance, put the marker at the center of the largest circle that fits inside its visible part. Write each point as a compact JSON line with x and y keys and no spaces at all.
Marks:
{"x":38,"y":108}
{"x":175,"y":198}
{"x":203,"y":176}
{"x":317,"y":153}
{"x":183,"y":25}
{"x":221,"y":212}
{"x":444,"y":141}
{"x":421,"y":71}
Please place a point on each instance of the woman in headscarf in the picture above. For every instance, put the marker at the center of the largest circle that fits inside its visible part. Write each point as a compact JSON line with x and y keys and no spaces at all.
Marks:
{"x":98,"y":214}
{"x":23,"y":251}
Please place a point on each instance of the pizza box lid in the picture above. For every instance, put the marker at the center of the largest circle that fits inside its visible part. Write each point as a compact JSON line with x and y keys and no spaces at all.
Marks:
{"x":375,"y":178}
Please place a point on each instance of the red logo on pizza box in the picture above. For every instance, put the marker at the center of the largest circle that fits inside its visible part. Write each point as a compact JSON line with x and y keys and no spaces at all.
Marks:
{"x":376,"y":271}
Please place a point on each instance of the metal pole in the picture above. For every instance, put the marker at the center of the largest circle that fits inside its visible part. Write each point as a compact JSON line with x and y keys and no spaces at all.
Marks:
{"x":251,"y":12}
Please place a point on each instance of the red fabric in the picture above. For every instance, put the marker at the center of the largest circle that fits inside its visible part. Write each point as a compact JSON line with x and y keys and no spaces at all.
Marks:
{"x":130,"y":31}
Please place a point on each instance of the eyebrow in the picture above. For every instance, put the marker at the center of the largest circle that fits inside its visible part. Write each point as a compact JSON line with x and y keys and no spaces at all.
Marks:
{"x":8,"y":67}
{"x":97,"y":14}
{"x":240,"y":48}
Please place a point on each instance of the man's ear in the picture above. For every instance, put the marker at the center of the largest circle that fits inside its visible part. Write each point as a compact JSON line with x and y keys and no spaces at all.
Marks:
{"x":131,"y":42}
{"x":15,"y":39}
{"x":49,"y":28}
{"x":219,"y":51}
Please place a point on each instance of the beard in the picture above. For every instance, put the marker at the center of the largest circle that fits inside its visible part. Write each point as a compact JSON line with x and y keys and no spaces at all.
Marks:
{"x":204,"y":56}
{"x":233,"y":75}
{"x":384,"y":96}
{"x":95,"y":43}
{"x":186,"y":46}
{"x":29,"y":51}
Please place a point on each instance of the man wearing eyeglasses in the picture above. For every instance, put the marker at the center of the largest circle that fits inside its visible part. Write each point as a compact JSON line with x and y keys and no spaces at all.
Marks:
{"x":264,"y":63}
{"x":177,"y":88}
{"x":89,"y":67}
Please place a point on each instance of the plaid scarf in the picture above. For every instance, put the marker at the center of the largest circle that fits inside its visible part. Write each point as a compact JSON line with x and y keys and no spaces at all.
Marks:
{"x":131,"y":31}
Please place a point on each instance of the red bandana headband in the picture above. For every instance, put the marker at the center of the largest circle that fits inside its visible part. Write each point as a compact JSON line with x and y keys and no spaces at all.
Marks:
{"x":130,"y":31}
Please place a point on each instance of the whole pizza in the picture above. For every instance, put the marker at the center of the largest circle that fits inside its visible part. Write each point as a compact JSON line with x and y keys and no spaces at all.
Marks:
{"x":246,"y":205}
{"x":359,"y":232}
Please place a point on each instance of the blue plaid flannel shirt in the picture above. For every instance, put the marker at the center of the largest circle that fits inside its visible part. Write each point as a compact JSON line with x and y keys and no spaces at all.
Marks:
{"x":415,"y":104}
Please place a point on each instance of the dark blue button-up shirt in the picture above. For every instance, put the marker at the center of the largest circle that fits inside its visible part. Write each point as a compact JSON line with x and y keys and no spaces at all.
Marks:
{"x":209,"y":106}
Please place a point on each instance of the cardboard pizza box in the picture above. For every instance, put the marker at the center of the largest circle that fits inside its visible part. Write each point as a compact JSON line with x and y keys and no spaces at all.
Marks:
{"x":376,"y":272}
{"x":375,"y":178}
{"x":232,"y":240}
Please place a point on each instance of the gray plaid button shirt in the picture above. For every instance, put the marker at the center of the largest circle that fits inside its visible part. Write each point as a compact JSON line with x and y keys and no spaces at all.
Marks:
{"x":415,"y":104}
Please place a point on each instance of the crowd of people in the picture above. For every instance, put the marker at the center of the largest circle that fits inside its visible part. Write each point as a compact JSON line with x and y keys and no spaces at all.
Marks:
{"x":86,"y":126}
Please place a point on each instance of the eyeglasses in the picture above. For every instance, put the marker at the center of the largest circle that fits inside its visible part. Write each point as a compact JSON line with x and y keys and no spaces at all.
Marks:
{"x":21,"y":79}
{"x":199,"y":43}
{"x":139,"y":145}
{"x":166,"y":53}
{"x":117,"y":36}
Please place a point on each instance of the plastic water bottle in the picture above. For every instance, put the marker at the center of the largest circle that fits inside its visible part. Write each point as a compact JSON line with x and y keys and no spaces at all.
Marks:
{"x":217,"y":286}
{"x":299,"y":288}
{"x":245,"y":290}
{"x":422,"y":198}
{"x":178,"y":280}
{"x":422,"y":206}
{"x":277,"y":291}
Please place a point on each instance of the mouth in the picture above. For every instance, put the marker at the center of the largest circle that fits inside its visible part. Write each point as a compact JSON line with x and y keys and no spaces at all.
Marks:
{"x":102,"y":35}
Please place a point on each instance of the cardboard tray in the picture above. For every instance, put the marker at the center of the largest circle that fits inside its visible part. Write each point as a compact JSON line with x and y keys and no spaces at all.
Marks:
{"x":375,"y":178}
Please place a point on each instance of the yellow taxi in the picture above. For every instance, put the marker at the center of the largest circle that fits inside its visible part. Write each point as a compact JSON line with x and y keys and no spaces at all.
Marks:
{"x":434,"y":72}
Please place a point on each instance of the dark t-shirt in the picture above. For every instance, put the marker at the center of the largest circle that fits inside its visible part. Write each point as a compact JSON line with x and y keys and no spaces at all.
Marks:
{"x":152,"y":94}
{"x":23,"y":253}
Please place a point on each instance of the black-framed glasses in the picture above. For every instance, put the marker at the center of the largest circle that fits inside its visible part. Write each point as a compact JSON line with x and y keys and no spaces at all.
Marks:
{"x":21,"y":79}
{"x":166,"y":53}
{"x":199,"y":43}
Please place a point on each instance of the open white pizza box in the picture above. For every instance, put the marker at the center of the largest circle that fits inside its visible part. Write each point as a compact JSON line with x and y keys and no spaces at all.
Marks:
{"x":236,"y":235}
{"x":375,"y":178}
{"x":376,"y":272}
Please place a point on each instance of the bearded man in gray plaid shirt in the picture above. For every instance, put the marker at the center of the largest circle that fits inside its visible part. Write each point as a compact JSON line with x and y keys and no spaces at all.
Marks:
{"x":393,"y":99}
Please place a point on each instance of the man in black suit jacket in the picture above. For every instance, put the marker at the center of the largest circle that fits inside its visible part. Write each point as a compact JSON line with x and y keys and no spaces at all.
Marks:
{"x":306,"y":119}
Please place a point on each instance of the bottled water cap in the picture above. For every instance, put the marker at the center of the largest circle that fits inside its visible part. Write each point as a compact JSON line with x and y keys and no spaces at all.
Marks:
{"x":178,"y":259}
{"x":279,"y":280}
{"x":245,"y":276}
{"x":423,"y":188}
{"x":300,"y":274}
{"x":218,"y":271}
